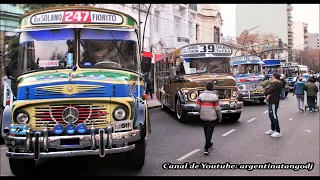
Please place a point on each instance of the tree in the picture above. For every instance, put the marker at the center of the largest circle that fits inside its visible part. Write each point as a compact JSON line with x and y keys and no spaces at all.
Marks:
{"x":310,"y":58}
{"x":256,"y":41}
{"x":33,"y":7}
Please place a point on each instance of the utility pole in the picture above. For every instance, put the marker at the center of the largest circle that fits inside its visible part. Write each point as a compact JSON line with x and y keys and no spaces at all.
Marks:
{"x":139,"y":19}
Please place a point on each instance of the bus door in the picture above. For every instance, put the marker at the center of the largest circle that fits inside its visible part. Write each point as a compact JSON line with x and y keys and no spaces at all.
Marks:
{"x":167,"y":83}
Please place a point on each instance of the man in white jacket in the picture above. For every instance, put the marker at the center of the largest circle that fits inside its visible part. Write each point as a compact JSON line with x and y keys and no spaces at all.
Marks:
{"x":210,"y":113}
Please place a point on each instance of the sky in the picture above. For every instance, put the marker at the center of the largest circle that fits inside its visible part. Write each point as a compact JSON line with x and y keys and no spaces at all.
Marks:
{"x":308,"y":13}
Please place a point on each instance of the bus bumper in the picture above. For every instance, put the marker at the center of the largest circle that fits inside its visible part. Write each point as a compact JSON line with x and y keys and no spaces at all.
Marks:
{"x":192,"y":109}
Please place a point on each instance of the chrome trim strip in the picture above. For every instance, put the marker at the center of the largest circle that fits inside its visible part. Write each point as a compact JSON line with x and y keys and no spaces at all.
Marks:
{"x":37,"y":145}
{"x":69,"y":153}
{"x":102,"y":146}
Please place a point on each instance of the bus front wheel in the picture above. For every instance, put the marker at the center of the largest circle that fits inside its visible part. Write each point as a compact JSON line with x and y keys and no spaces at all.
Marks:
{"x":180,"y":114}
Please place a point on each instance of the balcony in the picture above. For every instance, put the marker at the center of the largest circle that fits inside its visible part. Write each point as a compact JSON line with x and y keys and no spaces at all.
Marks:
{"x":290,"y":23}
{"x":289,"y":15}
{"x":290,"y":37}
{"x":290,"y":34}
{"x":306,"y":35}
{"x":306,"y":41}
{"x":290,"y":30}
{"x":193,"y":7}
{"x":289,"y":7}
{"x":305,"y":25}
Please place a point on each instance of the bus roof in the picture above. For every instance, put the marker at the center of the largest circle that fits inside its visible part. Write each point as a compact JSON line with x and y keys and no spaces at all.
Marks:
{"x":271,"y":62}
{"x":76,"y":16}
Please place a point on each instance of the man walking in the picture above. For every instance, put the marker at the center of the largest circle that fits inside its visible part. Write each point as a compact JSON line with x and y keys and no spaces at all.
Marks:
{"x":298,"y":90}
{"x":274,"y":91}
{"x":312,"y":90}
{"x":284,"y":82}
{"x":210,"y":113}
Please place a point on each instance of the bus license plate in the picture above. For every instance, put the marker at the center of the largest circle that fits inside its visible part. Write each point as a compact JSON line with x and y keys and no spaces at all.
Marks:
{"x":123,"y":125}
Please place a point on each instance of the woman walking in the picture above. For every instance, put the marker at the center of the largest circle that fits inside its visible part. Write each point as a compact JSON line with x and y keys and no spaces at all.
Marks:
{"x":298,"y":90}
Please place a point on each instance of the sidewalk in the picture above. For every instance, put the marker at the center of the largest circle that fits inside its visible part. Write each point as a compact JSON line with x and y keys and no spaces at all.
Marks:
{"x":152,"y":103}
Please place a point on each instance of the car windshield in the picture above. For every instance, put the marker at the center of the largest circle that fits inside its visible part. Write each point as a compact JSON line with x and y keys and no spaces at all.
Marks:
{"x":211,"y":65}
{"x":108,"y":49}
{"x":248,"y":68}
{"x":46,"y":49}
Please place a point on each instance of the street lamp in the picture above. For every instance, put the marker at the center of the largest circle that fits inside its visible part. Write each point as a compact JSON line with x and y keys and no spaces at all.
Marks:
{"x":246,"y":38}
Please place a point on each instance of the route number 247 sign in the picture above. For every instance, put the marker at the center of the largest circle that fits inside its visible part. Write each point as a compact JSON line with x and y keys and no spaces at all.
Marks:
{"x":79,"y":16}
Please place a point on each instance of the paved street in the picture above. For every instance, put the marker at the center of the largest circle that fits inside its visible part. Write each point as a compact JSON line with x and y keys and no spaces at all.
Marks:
{"x":243,"y":142}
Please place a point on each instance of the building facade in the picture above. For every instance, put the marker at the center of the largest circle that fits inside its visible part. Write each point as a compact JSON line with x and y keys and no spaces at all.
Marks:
{"x":300,"y":34}
{"x":270,"y":18}
{"x":313,"y":40}
{"x":168,"y":26}
{"x":208,"y":24}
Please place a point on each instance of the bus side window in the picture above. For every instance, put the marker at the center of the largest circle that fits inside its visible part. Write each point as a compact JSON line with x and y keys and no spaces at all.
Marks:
{"x":179,"y":66}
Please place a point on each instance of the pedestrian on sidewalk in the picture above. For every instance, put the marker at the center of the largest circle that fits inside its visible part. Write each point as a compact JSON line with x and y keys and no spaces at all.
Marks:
{"x":149,"y":88}
{"x":273,"y":103}
{"x":298,"y":90}
{"x":312,"y":91}
{"x":210,"y":113}
{"x":284,"y":82}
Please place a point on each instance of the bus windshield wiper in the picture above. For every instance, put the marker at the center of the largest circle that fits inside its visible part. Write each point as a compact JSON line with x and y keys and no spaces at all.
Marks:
{"x":115,"y":44}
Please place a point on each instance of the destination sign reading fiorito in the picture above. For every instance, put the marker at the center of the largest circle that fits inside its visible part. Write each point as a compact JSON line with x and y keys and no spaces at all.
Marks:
{"x":206,"y":50}
{"x":246,"y":58}
{"x":76,"y":16}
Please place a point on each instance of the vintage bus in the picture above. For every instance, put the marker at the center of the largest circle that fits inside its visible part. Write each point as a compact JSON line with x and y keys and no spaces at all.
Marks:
{"x":80,"y":88}
{"x":272,"y":65}
{"x":248,"y":74}
{"x":181,"y":76}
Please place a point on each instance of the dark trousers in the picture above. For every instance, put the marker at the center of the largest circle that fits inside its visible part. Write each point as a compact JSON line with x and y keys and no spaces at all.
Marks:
{"x":208,"y":127}
{"x":149,"y":91}
{"x":273,"y":110}
{"x":283,"y":95}
{"x":311,"y":100}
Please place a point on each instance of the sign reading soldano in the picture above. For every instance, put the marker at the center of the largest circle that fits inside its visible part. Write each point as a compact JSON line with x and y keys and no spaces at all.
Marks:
{"x":205,"y":50}
{"x":76,"y":16}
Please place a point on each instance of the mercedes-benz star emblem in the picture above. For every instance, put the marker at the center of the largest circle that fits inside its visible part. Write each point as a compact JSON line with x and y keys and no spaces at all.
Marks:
{"x":70,"y":115}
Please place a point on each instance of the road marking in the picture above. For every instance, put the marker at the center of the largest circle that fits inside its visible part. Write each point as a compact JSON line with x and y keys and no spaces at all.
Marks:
{"x":187,"y":155}
{"x":282,"y":106}
{"x":308,"y":131}
{"x":265,"y":111}
{"x":290,"y":119}
{"x":3,"y":147}
{"x":225,"y":134}
{"x":251,"y":119}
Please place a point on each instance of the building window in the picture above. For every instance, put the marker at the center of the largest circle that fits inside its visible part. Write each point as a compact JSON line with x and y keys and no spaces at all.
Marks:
{"x":190,"y":30}
{"x":216,"y":34}
{"x":157,"y":21}
{"x":177,"y":26}
{"x":197,"y":31}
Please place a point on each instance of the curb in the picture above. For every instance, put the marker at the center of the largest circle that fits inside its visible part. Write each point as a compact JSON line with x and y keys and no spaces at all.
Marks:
{"x":151,"y":107}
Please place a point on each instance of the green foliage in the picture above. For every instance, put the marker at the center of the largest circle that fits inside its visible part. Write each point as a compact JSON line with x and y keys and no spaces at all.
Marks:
{"x":13,"y":45}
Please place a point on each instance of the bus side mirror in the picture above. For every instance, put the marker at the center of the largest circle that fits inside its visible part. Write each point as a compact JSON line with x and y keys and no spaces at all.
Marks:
{"x":173,"y":71}
{"x":146,"y":64}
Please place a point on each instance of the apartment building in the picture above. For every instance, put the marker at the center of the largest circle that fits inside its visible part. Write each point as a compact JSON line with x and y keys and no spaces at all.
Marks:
{"x":313,"y":40}
{"x":300,"y":34}
{"x":267,"y":18}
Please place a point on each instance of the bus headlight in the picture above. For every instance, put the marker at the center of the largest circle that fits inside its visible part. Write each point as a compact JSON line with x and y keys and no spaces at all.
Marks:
{"x":22,"y":117}
{"x":119,"y":113}
{"x":241,"y":87}
{"x":234,"y":94}
{"x":193,"y":95}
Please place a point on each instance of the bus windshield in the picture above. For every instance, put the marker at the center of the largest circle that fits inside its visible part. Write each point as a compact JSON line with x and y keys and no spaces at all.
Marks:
{"x":272,"y":69}
{"x":108,"y":49}
{"x":248,"y":68}
{"x":45,"y":49}
{"x":209,"y":65}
